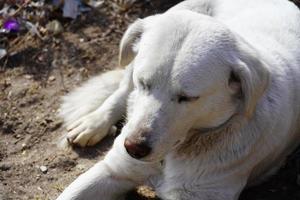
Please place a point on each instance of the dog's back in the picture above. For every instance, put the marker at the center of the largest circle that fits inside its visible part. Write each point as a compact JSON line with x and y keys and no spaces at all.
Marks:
{"x":270,"y":25}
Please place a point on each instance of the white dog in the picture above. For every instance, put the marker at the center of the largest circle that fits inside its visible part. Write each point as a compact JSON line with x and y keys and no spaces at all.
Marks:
{"x":212,"y":97}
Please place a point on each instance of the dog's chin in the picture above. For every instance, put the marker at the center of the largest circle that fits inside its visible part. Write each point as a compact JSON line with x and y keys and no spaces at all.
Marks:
{"x":152,"y":158}
{"x":155,"y":156}
{"x":159,"y":154}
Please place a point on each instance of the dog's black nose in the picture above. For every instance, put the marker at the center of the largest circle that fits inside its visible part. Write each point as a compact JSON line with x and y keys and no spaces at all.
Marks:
{"x":137,"y":150}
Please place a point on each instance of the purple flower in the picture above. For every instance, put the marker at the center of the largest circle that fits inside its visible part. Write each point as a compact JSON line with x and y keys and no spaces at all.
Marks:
{"x":11,"y":25}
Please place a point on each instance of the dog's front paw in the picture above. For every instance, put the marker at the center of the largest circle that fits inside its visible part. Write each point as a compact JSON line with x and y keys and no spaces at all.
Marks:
{"x":88,"y":130}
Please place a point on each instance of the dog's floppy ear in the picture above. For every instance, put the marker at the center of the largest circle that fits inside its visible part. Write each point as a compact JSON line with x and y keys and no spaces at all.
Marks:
{"x":252,"y":74}
{"x":133,"y":33}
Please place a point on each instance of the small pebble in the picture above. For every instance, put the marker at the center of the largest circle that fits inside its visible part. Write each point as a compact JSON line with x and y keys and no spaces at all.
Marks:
{"x":52,"y":78}
{"x":43,"y":169}
{"x":54,"y":27}
{"x":3,"y":53}
{"x":27,"y":76}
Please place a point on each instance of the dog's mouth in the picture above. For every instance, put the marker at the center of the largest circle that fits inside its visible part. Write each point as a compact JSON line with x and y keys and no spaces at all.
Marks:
{"x":159,"y":154}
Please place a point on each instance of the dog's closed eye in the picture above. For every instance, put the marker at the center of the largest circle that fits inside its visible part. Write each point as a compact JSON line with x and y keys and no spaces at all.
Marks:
{"x":183,"y":98}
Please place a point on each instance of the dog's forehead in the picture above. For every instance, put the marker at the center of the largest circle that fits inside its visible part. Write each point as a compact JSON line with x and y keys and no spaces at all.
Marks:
{"x":174,"y":46}
{"x":159,"y":46}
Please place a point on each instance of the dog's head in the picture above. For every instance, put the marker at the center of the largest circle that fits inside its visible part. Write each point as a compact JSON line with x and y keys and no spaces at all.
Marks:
{"x":190,"y":72}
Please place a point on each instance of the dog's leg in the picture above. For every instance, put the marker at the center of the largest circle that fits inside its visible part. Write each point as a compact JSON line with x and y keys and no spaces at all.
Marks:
{"x":179,"y":184}
{"x":92,"y":126}
{"x":228,"y":192}
{"x":112,"y":177}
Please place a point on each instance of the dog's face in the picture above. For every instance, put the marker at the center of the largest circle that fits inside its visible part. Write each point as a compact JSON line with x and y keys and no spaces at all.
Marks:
{"x":187,"y":75}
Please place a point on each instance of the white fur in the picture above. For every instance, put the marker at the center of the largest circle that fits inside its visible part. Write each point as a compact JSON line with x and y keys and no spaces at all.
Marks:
{"x":81,"y":109}
{"x":231,"y":132}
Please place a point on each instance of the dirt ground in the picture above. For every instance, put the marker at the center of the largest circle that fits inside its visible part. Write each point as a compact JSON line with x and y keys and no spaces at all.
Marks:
{"x":33,"y":79}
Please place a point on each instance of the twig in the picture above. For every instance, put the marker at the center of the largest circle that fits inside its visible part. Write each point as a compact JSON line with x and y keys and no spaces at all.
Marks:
{"x":21,"y":7}
{"x":58,"y":66}
{"x":5,"y":63}
{"x":17,"y":42}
